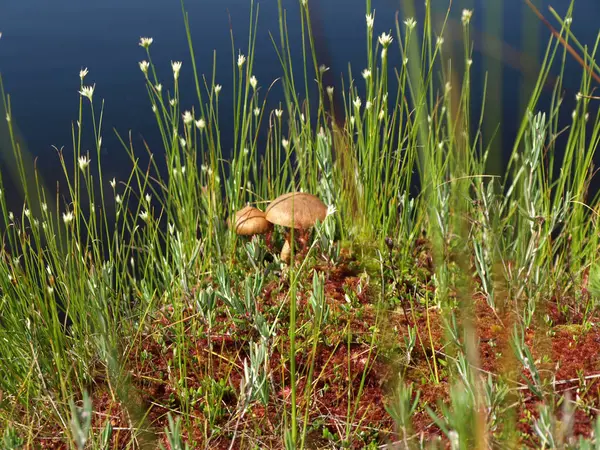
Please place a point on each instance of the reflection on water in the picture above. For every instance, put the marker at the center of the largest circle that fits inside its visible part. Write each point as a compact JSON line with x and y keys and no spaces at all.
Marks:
{"x":45,"y":44}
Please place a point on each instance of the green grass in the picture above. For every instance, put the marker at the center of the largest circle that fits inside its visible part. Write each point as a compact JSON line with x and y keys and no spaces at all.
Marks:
{"x":158,"y":326}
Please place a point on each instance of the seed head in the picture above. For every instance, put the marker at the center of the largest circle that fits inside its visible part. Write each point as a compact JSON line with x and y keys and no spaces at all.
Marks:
{"x":144,"y":66}
{"x":366,"y":74}
{"x":218,"y":88}
{"x":279,"y":112}
{"x":83,"y":162}
{"x":410,"y":23}
{"x":68,"y":217}
{"x":82,"y":73}
{"x":466,"y":16}
{"x":253,"y":82}
{"x":176,"y":68}
{"x":187,"y":117}
{"x":200,"y":124}
{"x":146,"y":42}
{"x":87,"y":91}
{"x":370,"y":21}
{"x":385,"y":39}
{"x":241,"y":60}
{"x":357,"y":102}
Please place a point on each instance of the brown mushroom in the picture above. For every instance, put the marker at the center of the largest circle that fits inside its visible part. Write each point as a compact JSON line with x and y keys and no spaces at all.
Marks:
{"x":298,"y":210}
{"x":250,"y":221}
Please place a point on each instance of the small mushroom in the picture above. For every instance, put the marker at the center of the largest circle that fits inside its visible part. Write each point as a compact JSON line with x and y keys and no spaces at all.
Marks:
{"x":250,"y":221}
{"x":298,"y":210}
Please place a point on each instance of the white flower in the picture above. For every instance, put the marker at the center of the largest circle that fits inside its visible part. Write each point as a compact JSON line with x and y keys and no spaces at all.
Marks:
{"x":330,"y":90}
{"x":187,"y":117}
{"x":253,"y":82}
{"x":118,"y":199}
{"x":182,"y":170}
{"x":182,"y":142}
{"x":176,"y":65}
{"x":83,"y":162}
{"x":27,"y":212}
{"x":50,"y":290}
{"x":87,"y":91}
{"x":256,"y":112}
{"x":357,"y":102}
{"x":568,"y":21}
{"x":218,"y":88}
{"x":440,"y":41}
{"x":385,"y":39}
{"x":68,"y":217}
{"x":144,"y":66}
{"x":466,"y":16}
{"x":113,"y":183}
{"x":410,"y":23}
{"x":366,"y":74}
{"x":246,"y":151}
{"x":352,"y":120}
{"x":82,"y":73}
{"x":173,"y":102}
{"x":44,"y":207}
{"x":279,"y":112}
{"x":368,"y":105}
{"x":8,"y":117}
{"x":200,"y":124}
{"x":146,"y":42}
{"x":144,"y":215}
{"x":285,"y":143}
{"x":381,"y":114}
{"x":171,"y":228}
{"x":469,"y":62}
{"x":370,"y":20}
{"x":241,"y":60}
{"x":11,"y":216}
{"x":330,"y":210}
{"x":158,"y":87}
{"x":323,"y":68}
{"x":578,"y":96}
{"x":148,"y":197}
{"x":154,"y":109}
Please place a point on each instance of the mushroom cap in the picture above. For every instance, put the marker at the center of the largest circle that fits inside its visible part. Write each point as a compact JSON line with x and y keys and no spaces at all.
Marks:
{"x":297,"y":209}
{"x":250,"y":220}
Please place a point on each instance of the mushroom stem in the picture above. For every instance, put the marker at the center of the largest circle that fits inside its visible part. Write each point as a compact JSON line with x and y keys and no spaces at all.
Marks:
{"x":286,"y":251}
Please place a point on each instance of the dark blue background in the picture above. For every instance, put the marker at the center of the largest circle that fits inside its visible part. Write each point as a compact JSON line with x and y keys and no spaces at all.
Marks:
{"x":45,"y":43}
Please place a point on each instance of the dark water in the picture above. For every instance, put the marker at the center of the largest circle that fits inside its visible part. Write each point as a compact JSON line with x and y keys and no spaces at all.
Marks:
{"x":45,"y":43}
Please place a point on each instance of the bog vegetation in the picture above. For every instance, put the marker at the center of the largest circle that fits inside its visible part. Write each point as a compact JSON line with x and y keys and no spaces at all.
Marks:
{"x":431,"y":305}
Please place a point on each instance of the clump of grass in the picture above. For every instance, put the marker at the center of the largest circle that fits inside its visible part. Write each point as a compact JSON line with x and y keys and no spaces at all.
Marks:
{"x":169,"y":322}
